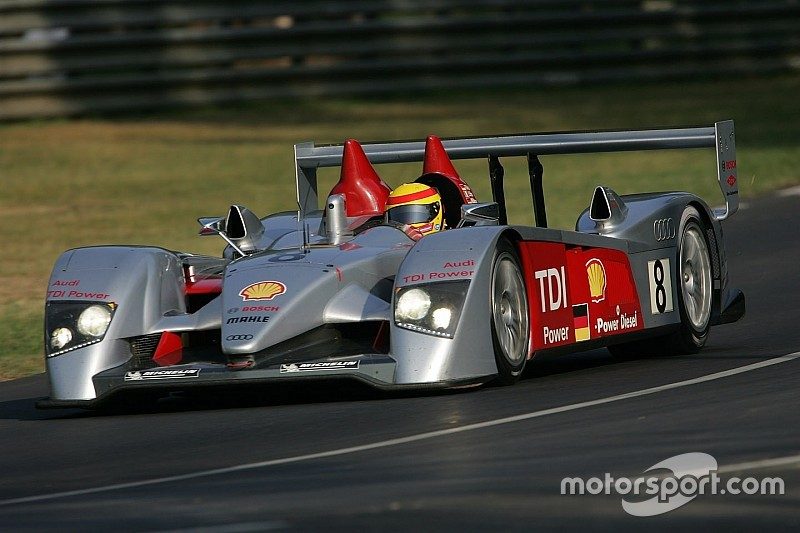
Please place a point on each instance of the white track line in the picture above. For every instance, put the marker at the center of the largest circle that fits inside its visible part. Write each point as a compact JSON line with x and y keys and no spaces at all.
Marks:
{"x":410,"y":438}
{"x":791,"y":191}
{"x":759,"y":465}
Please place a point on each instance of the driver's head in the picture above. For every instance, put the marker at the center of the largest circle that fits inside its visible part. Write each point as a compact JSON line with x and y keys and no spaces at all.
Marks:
{"x":416,"y":205}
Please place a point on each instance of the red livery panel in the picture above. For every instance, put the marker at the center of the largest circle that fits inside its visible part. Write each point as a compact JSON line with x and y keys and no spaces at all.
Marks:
{"x":578,"y":293}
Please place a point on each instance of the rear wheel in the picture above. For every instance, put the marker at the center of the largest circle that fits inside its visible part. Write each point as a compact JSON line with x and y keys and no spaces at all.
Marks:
{"x":692,"y":273}
{"x":695,"y":284}
{"x":510,"y":321}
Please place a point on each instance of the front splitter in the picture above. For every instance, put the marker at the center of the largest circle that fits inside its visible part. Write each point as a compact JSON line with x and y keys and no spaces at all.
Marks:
{"x":374,"y":370}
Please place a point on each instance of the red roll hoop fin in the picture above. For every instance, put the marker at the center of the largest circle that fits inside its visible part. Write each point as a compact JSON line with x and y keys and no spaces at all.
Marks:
{"x":438,"y":171}
{"x":436,"y":159}
{"x":365,"y":193}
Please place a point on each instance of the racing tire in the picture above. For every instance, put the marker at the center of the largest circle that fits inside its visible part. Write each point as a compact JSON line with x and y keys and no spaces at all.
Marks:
{"x":695,"y":285}
{"x":510,"y":320}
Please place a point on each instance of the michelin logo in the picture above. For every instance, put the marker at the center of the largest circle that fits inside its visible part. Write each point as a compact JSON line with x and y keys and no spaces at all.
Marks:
{"x":182,"y":373}
{"x":321,"y":365}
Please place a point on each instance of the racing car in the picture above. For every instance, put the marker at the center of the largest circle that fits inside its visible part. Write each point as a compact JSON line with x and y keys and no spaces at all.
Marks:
{"x":343,"y":291}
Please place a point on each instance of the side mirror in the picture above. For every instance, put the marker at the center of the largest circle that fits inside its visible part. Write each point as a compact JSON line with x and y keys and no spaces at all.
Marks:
{"x":211,"y":226}
{"x":484,"y":214}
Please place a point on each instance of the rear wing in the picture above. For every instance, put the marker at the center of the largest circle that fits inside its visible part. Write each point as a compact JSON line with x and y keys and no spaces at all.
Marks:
{"x":309,"y":157}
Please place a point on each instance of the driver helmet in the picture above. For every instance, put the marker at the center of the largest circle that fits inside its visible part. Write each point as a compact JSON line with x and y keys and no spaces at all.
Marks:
{"x":416,"y":205}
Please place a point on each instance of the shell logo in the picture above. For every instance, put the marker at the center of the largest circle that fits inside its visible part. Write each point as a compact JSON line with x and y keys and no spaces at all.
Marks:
{"x":262,"y":290}
{"x":596,"y":273}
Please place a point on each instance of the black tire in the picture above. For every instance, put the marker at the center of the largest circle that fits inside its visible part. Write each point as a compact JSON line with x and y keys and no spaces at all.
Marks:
{"x":508,"y":307}
{"x":695,"y":316}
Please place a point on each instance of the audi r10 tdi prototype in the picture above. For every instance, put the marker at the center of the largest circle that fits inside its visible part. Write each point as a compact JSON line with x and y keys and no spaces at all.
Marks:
{"x":343,"y":292}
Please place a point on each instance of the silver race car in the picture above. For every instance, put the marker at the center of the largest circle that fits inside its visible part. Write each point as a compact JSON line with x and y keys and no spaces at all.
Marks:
{"x":346,"y":292}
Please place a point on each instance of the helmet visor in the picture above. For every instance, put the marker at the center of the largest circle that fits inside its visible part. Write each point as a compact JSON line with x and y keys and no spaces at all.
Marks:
{"x":413,"y":213}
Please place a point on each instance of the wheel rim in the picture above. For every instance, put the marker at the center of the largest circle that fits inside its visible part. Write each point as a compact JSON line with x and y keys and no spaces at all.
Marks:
{"x":696,"y":277}
{"x":510,"y":309}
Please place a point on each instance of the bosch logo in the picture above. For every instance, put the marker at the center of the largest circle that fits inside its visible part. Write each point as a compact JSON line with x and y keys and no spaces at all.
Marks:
{"x":238,"y":337}
{"x":664,"y":229}
{"x":233,"y":310}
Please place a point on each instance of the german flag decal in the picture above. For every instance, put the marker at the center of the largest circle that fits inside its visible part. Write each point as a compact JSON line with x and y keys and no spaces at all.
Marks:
{"x":580,"y":322}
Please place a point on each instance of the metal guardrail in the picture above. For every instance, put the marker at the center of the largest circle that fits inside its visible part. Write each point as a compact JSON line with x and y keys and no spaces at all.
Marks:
{"x":65,"y":57}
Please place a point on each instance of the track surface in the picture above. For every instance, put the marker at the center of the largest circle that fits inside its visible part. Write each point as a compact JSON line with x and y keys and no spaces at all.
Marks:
{"x":504,"y":476}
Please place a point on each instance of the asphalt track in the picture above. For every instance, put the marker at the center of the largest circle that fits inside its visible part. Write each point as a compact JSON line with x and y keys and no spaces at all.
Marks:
{"x":491,"y":458}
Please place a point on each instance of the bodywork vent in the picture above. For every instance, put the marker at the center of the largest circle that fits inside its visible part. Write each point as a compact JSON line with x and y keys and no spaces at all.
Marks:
{"x":143,"y":348}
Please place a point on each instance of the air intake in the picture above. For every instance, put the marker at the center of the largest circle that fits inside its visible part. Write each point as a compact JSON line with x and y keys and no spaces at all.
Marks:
{"x":607,"y":208}
{"x":243,"y":227}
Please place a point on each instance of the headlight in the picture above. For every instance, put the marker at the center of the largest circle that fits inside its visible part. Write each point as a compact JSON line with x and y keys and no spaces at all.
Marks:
{"x":413,"y":304}
{"x":431,"y":308}
{"x":60,"y":338}
{"x":94,"y":320}
{"x":441,"y":317}
{"x":73,"y":325}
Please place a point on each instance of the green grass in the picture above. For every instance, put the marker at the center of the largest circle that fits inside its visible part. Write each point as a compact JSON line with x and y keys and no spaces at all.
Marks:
{"x":145,"y":179}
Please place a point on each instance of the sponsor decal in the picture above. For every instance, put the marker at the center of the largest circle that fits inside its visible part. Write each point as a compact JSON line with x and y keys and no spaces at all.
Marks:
{"x":623,"y":322}
{"x":143,"y":375}
{"x":66,"y":283}
{"x":448,"y":275}
{"x":425,"y":228}
{"x":469,"y":196}
{"x":459,"y":264}
{"x":596,"y":274}
{"x":78,"y":295}
{"x":248,"y":319}
{"x":262,"y":290}
{"x":731,"y":180}
{"x":557,"y":335}
{"x":413,"y":278}
{"x":549,"y":293}
{"x":233,"y":310}
{"x":260,"y":308}
{"x":238,"y":337}
{"x":580,"y":322}
{"x":321,"y":365}
{"x":664,"y":229}
{"x":556,"y":294}
{"x":577,"y":293}
{"x":660,"y":286}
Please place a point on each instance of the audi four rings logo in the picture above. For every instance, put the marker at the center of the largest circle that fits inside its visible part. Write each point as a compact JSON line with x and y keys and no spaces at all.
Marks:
{"x":664,"y":229}
{"x":238,"y":337}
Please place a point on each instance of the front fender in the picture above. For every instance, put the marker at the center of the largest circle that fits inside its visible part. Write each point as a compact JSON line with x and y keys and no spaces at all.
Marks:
{"x":145,"y":283}
{"x":459,"y":254}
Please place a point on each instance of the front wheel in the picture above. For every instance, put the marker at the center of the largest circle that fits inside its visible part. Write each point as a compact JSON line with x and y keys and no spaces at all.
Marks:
{"x":509,"y":307}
